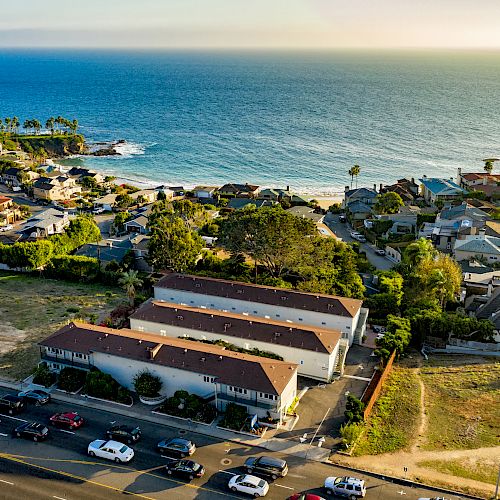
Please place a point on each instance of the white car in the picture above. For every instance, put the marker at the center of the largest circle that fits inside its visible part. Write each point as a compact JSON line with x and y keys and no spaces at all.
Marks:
{"x":8,"y":227}
{"x":354,"y":234}
{"x":251,"y":485}
{"x":110,"y":450}
{"x":98,"y":211}
{"x":349,"y":487}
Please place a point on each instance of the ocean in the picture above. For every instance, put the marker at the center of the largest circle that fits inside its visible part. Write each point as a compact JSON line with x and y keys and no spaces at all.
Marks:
{"x":269,"y":118}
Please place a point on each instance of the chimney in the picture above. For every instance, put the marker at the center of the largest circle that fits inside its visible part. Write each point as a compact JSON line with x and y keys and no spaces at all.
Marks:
{"x":154,"y":351}
{"x":346,"y":189}
{"x":375,"y":187}
{"x":288,"y":188}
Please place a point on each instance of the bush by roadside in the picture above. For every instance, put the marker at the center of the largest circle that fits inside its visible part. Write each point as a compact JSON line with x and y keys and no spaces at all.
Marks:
{"x":43,"y":376}
{"x":71,"y":379}
{"x":103,"y":386}
{"x":185,"y":405}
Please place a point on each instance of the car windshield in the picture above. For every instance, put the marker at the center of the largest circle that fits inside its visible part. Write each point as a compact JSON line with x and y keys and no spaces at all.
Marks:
{"x":338,"y":480}
{"x":196,"y":467}
{"x":123,"y":449}
{"x":135,"y":431}
{"x":77,"y":418}
{"x":262,"y":483}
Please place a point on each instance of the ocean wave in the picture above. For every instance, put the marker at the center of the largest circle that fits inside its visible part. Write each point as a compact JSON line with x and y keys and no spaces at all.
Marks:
{"x":128,"y":149}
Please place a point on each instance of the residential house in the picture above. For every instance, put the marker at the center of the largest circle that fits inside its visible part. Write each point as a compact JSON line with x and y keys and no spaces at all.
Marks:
{"x":404,"y":222}
{"x":492,"y":228}
{"x":489,"y":184}
{"x":46,"y":223}
{"x":442,"y":190}
{"x":487,"y":248}
{"x":57,"y":188}
{"x":394,"y":254}
{"x":107,"y":202}
{"x":406,"y":188}
{"x":137,"y":225}
{"x":481,"y":283}
{"x":444,"y":233}
{"x":11,"y":176}
{"x":106,"y":250}
{"x":79,"y":173}
{"x":239,"y":203}
{"x":462,"y":212}
{"x":490,"y":310}
{"x":314,"y":350}
{"x":364,"y":195}
{"x":358,"y":211}
{"x":205,"y":192}
{"x":259,"y":384}
{"x":147,"y":195}
{"x":8,"y":212}
{"x":5,"y":202}
{"x":238,"y":191}
{"x":277,"y":194}
{"x":170,"y":193}
{"x":323,"y":311}
{"x":307,"y":213}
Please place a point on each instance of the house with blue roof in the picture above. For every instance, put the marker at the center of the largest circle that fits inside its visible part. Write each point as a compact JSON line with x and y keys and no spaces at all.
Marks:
{"x":464,"y":211}
{"x":434,"y":189}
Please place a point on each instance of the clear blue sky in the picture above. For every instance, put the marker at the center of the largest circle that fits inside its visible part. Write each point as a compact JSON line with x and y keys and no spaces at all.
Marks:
{"x":251,"y":23}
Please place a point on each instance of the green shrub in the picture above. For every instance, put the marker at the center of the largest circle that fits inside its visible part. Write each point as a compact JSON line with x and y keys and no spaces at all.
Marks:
{"x":104,"y":386}
{"x":71,"y":379}
{"x":349,"y":433}
{"x":43,"y":376}
{"x":185,"y":405}
{"x":73,"y":309}
{"x":146,"y":384}
{"x":234,"y":417}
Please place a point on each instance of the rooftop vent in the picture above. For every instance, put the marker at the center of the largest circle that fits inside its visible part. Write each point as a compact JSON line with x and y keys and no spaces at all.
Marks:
{"x":239,"y":291}
{"x":203,"y":359}
{"x":185,"y":351}
{"x":283,"y":297}
{"x":197,"y":285}
{"x":220,"y":358}
{"x":106,"y":334}
{"x":99,"y":338}
{"x":179,"y":316}
{"x":139,"y":342}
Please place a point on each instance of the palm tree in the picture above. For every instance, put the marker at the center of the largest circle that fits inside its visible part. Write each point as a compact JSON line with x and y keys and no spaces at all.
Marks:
{"x":36,"y":125}
{"x":74,"y":126}
{"x":7,"y":124}
{"x":419,"y":250}
{"x":49,"y":124}
{"x":15,"y":124}
{"x":59,"y":121}
{"x":354,"y":172}
{"x":129,"y":282}
{"x":27,"y":124}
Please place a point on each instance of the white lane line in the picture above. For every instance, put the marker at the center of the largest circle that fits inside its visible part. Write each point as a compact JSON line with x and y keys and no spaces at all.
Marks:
{"x":58,"y":498}
{"x":15,"y":418}
{"x":67,"y":432}
{"x":2,"y":434}
{"x":168,"y":458}
{"x":227,"y":472}
{"x":281,"y":486}
{"x":6,"y":482}
{"x":296,"y":475}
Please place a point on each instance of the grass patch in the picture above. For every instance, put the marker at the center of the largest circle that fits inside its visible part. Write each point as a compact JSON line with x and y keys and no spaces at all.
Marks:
{"x":479,"y":470}
{"x":462,"y":401}
{"x":32,"y":308}
{"x":394,"y":419}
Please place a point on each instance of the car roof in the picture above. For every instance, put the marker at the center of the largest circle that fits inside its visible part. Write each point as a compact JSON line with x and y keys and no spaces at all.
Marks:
{"x":275,"y":462}
{"x":115,"y":445}
{"x":11,"y":397}
{"x":350,"y":480}
{"x":248,"y":478}
{"x":178,"y":440}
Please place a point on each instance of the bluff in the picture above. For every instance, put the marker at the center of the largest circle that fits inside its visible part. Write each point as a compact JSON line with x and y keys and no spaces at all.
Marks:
{"x":54,"y":145}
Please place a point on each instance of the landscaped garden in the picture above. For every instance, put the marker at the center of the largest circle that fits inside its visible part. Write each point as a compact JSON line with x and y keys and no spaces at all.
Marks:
{"x":236,"y":418}
{"x":103,"y":386}
{"x":71,"y":379}
{"x":189,"y":406}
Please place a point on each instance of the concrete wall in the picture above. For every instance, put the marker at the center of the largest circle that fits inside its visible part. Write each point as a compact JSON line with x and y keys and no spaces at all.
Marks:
{"x":460,"y":255}
{"x":345,"y":324}
{"x":312,"y":364}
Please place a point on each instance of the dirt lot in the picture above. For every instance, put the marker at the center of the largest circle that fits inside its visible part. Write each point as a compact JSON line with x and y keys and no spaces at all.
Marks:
{"x":33,"y":308}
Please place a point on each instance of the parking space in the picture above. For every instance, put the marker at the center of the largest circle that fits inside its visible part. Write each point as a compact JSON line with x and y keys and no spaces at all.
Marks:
{"x":323,"y":405}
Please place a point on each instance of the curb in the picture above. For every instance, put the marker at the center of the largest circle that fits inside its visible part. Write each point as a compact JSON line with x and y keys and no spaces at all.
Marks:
{"x":401,"y":481}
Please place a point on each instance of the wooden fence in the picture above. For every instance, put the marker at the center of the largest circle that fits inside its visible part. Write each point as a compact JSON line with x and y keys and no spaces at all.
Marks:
{"x":372,"y":392}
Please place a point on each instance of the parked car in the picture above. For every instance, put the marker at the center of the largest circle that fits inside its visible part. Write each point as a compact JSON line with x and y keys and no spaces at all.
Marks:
{"x":98,"y":211}
{"x":31,"y":430}
{"x":380,"y":335}
{"x":378,"y":329}
{"x":360,"y":238}
{"x":124,"y":433}
{"x":110,"y":450}
{"x":269,"y":466}
{"x":177,"y":447}
{"x":70,"y":420}
{"x":354,"y":234}
{"x":380,"y":251}
{"x":349,"y":487}
{"x":342,"y":218}
{"x":251,"y":485}
{"x":36,"y":396}
{"x":8,"y":227}
{"x":12,"y":404}
{"x":185,"y":468}
{"x":305,"y":496}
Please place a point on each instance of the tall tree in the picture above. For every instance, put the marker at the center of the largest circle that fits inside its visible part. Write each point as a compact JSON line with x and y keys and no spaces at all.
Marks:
{"x":388,"y":203}
{"x":489,"y":164}
{"x":417,"y":251}
{"x":130,"y":281}
{"x":50,"y":124}
{"x":354,"y":171}
{"x":172,"y":245}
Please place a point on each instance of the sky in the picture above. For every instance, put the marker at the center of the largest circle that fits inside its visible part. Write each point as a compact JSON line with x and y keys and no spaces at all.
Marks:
{"x":305,"y":24}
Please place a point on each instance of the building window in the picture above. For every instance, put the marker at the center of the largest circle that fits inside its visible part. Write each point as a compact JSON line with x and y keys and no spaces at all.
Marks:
{"x":301,"y":361}
{"x":255,"y":312}
{"x":277,"y":315}
{"x":53,"y":350}
{"x":300,"y":319}
{"x":323,"y":322}
{"x":210,"y":380}
{"x":163,"y":332}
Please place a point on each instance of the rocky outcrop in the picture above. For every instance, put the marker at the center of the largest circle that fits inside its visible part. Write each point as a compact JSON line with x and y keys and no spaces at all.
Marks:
{"x":56,"y":146}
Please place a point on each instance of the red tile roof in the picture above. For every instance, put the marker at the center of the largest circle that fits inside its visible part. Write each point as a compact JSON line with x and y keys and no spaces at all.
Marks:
{"x":239,"y":326}
{"x":327,"y":304}
{"x":231,"y":368}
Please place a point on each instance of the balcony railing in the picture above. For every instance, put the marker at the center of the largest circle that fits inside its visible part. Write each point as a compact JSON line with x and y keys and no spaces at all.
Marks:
{"x":63,"y":361}
{"x":249,"y":401}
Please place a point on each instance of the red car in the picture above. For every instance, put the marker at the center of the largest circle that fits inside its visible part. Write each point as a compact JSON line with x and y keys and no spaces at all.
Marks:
{"x":305,"y":496}
{"x":70,"y":420}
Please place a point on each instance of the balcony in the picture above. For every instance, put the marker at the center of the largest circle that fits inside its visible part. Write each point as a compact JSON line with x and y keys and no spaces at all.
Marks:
{"x":62,"y":361}
{"x":273,"y":406}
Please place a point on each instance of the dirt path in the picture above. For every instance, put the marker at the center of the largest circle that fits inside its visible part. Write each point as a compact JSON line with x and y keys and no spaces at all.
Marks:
{"x":420,"y":436}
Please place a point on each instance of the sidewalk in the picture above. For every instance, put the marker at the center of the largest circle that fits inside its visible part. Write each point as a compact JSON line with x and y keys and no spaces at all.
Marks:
{"x":143,"y":412}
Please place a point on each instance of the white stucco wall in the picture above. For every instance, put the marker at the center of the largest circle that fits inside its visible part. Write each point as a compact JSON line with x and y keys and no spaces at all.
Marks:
{"x":345,"y":324}
{"x":317,"y":365}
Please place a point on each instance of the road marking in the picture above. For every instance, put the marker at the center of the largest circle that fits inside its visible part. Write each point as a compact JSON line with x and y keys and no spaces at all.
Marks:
{"x":15,"y":418}
{"x":402,"y":492}
{"x":2,"y":434}
{"x":297,"y":476}
{"x":67,"y":432}
{"x":227,"y":472}
{"x":6,"y":482}
{"x":281,"y":486}
{"x":168,"y":458}
{"x":17,"y":458}
{"x":58,"y":498}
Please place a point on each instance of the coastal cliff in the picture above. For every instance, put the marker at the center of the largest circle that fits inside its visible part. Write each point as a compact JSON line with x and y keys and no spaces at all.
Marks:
{"x":54,"y":145}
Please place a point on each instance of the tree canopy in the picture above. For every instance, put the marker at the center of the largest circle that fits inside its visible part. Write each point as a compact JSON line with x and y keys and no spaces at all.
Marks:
{"x":388,"y":203}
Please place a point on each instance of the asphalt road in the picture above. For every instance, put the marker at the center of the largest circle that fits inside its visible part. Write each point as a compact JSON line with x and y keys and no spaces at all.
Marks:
{"x":342,"y":230}
{"x":60,"y":467}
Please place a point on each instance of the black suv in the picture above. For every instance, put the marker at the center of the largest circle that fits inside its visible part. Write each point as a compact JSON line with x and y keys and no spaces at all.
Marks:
{"x":268,"y":466}
{"x":124,"y":433}
{"x":31,"y":430}
{"x":185,"y":468}
{"x":12,"y":404}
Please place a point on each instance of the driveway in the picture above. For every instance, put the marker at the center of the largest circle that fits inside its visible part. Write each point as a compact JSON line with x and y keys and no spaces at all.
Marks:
{"x":342,"y":230}
{"x":327,"y":401}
